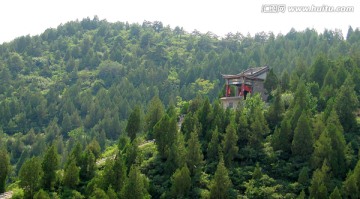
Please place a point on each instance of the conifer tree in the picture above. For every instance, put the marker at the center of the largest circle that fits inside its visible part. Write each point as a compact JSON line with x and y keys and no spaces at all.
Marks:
{"x":133,"y":126}
{"x":30,"y":176}
{"x":302,"y":144}
{"x":276,"y":110}
{"x":205,"y":118}
{"x":177,"y":154}
{"x":271,"y":81}
{"x":136,"y":185}
{"x":87,"y":165}
{"x":154,"y":114}
{"x":180,"y":183}
{"x":221,"y":183}
{"x":319,"y":69}
{"x":258,"y":128}
{"x":213,"y":146}
{"x":322,"y":150}
{"x":285,"y":80}
{"x":49,"y":166}
{"x":71,"y":175}
{"x":165,"y":133}
{"x":335,"y":194}
{"x":230,"y":148}
{"x":302,"y":195}
{"x":303,"y":176}
{"x":194,"y":153}
{"x":319,"y":182}
{"x":352,"y":182}
{"x":282,"y":137}
{"x":115,"y":173}
{"x":41,"y":194}
{"x":4,"y":168}
{"x":337,"y":157}
{"x":132,"y":151}
{"x":345,"y":104}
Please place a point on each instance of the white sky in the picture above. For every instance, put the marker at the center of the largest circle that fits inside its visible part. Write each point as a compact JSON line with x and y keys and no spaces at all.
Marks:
{"x":23,"y":17}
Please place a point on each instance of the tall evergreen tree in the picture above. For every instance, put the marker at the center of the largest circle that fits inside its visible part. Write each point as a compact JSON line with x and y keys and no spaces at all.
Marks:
{"x":4,"y":168}
{"x":221,"y":183}
{"x":154,"y":114}
{"x":177,"y":154}
{"x":30,"y":176}
{"x":319,"y":69}
{"x":276,"y":110}
{"x":271,"y":82}
{"x":165,"y":133}
{"x":133,"y":126}
{"x":87,"y":165}
{"x":320,"y":182}
{"x":194,"y":153}
{"x":282,"y":137}
{"x":302,"y":144}
{"x":213,"y":146}
{"x":71,"y":175}
{"x":180,"y":183}
{"x":136,"y":185}
{"x":49,"y":166}
{"x":352,"y":182}
{"x":345,"y":104}
{"x":230,"y":148}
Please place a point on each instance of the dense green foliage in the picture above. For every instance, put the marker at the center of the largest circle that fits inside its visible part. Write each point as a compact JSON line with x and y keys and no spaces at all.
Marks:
{"x":94,"y":109}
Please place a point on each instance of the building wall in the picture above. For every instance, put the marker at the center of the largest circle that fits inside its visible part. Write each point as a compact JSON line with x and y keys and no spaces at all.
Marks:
{"x":258,"y":87}
{"x":231,"y":102}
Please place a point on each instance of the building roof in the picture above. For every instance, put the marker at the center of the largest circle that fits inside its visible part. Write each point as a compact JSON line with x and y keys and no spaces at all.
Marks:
{"x":250,"y":73}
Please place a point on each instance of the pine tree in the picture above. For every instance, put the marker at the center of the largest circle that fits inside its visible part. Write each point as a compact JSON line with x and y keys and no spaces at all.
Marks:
{"x":319,"y":69}
{"x":302,"y":144}
{"x":154,"y":114}
{"x":71,"y":175}
{"x":213,"y":146}
{"x":87,"y":165}
{"x":303,"y":176}
{"x":345,"y":104}
{"x":285,"y":80}
{"x":41,"y":194}
{"x":229,"y":145}
{"x":205,"y":118}
{"x":221,"y":183}
{"x":276,"y":110}
{"x":319,"y":182}
{"x":352,"y":182}
{"x":132,"y":151}
{"x":194,"y":153}
{"x":99,"y":193}
{"x":282,"y":137}
{"x":258,"y":127}
{"x":30,"y":175}
{"x":337,"y":157}
{"x":335,"y":194}
{"x":133,"y":126}
{"x":136,"y":185}
{"x":302,"y":195}
{"x":165,"y":134}
{"x":180,"y":183}
{"x":4,"y":168}
{"x":49,"y":166}
{"x":322,"y":150}
{"x":271,"y":81}
{"x":119,"y":173}
{"x":177,"y":154}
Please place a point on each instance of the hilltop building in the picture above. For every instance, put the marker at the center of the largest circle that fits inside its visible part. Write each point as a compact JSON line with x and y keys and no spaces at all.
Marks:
{"x":248,"y":82}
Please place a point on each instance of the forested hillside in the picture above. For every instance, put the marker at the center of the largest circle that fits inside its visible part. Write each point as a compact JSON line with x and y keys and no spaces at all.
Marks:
{"x":94,"y":109}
